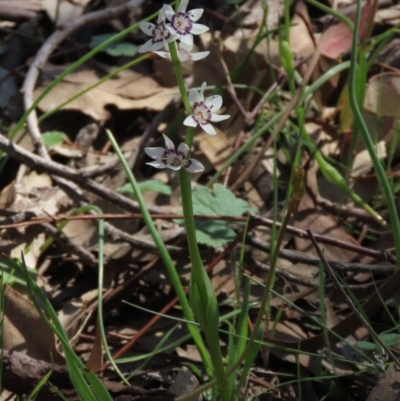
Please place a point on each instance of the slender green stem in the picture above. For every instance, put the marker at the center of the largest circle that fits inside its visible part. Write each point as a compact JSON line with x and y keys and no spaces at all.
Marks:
{"x":298,"y":189}
{"x":205,"y":299}
{"x":202,"y":295}
{"x":182,"y":89}
{"x":380,"y":172}
{"x":179,"y":76}
{"x":175,"y":280}
{"x":100,"y":281}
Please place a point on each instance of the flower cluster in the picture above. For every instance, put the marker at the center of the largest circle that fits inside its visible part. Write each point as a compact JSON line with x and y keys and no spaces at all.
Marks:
{"x":180,"y":26}
{"x":172,"y":26}
{"x":172,"y":159}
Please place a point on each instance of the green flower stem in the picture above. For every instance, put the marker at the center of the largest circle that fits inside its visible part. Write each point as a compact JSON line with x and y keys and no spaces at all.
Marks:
{"x":380,"y":172}
{"x":175,"y":280}
{"x":298,"y":189}
{"x":179,"y":75}
{"x":202,"y":295}
{"x":182,"y":89}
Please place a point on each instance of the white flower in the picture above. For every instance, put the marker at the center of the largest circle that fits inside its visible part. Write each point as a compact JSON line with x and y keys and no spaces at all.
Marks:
{"x":160,"y":34}
{"x":184,"y":53}
{"x":203,"y":111}
{"x":183,"y":23}
{"x":168,"y":158}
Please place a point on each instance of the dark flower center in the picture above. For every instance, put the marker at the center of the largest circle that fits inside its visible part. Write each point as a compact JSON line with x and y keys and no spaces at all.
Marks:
{"x":160,"y":33}
{"x":182,"y":23}
{"x":201,"y":113}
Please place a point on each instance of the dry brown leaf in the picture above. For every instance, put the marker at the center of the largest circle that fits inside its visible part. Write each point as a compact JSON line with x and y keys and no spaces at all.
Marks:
{"x":95,"y":360}
{"x":20,"y":8}
{"x":362,"y":162}
{"x":301,"y":43}
{"x":338,"y":38}
{"x":390,"y":15}
{"x":128,"y":90}
{"x":388,"y":386}
{"x":63,"y":11}
{"x":381,"y":106}
{"x":320,"y":221}
{"x":217,"y":148}
{"x":25,"y":331}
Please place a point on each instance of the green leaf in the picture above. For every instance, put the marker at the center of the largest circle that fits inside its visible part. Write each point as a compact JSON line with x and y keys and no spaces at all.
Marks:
{"x":122,"y":49}
{"x":10,"y":273}
{"x":219,"y":202}
{"x":366,"y":346}
{"x":390,"y":339}
{"x":52,"y":138}
{"x":115,"y":49}
{"x":150,"y":185}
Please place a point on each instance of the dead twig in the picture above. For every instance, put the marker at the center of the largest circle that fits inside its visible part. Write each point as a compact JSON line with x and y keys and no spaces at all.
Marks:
{"x":57,"y":170}
{"x":93,"y":18}
{"x":25,"y":219}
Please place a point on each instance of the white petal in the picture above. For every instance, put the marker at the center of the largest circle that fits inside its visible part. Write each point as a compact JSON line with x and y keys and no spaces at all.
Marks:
{"x":174,"y":167}
{"x":194,"y":166}
{"x":214,"y":102}
{"x":187,"y":39}
{"x":186,"y":47}
{"x":198,"y":56}
{"x":155,"y":153}
{"x":157,"y":164}
{"x":182,"y":6}
{"x":169,"y":11}
{"x":183,"y":148}
{"x":184,"y":57}
{"x":173,"y":36}
{"x":172,"y":32}
{"x":168,"y":143}
{"x":190,"y":122}
{"x":162,"y":16}
{"x":164,"y":54}
{"x":195,"y":14}
{"x":198,"y":29}
{"x":218,"y":117}
{"x":208,"y":128}
{"x":146,"y":47}
{"x":157,"y":46}
{"x":147,"y":27}
{"x":193,"y":96}
{"x":201,"y":92}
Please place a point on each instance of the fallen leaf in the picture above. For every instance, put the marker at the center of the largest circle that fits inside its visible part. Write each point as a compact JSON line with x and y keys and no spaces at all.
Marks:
{"x":128,"y":90}
{"x":339,"y":38}
{"x":20,"y":315}
{"x":381,"y":111}
{"x":63,"y":11}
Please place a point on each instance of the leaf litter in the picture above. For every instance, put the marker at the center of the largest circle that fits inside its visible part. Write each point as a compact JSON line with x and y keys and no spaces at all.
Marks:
{"x":132,"y":104}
